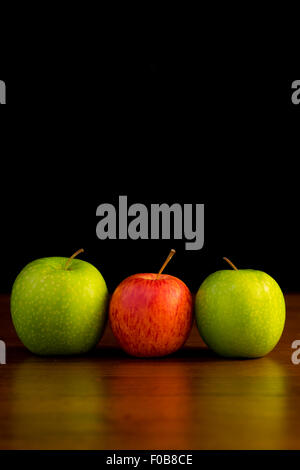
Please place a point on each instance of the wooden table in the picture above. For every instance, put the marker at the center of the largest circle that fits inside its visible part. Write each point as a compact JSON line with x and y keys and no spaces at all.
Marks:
{"x":191,"y":400}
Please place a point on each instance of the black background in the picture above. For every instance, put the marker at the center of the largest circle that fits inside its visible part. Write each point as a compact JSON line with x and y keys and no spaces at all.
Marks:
{"x":77,"y":137}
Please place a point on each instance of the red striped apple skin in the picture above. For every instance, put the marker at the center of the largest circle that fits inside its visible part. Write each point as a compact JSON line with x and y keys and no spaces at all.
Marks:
{"x":151,"y":317}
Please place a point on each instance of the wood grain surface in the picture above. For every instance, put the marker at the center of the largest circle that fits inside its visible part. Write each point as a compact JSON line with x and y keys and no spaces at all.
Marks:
{"x":190,"y":400}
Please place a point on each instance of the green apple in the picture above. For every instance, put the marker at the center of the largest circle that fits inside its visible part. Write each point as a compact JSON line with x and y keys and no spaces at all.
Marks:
{"x":240,"y":313}
{"x":59,"y":306}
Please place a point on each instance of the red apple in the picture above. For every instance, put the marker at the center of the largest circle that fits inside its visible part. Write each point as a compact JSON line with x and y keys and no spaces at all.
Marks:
{"x":151,"y":314}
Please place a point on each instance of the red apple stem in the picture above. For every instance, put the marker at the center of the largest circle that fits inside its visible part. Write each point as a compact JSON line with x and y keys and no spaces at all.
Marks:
{"x":72,"y":257}
{"x":231,"y":264}
{"x":171,"y":254}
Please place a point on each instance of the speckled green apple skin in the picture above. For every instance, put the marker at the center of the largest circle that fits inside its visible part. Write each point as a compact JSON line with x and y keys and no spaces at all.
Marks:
{"x":240,"y":313}
{"x":57,"y":311}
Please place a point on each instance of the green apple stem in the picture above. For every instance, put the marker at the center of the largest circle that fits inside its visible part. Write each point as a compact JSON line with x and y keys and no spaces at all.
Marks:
{"x":231,"y":264}
{"x":171,"y":254}
{"x":72,"y":257}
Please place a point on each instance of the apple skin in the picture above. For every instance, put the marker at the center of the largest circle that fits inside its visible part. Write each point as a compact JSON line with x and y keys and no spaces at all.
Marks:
{"x":151,"y":317}
{"x":240,"y":313}
{"x":57,"y":311}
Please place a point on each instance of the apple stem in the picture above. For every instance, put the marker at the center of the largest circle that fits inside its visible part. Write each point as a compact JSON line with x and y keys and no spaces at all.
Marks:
{"x":171,"y":254}
{"x":72,"y":257}
{"x":231,"y":264}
